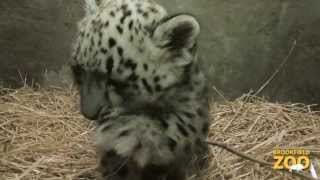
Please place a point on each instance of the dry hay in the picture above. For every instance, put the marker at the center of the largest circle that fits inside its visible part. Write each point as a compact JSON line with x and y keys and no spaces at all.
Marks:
{"x":254,"y":126}
{"x":43,"y":136}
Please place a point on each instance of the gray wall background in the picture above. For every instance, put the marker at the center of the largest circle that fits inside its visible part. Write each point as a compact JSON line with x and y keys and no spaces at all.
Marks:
{"x":35,"y":35}
{"x":241,"y":45}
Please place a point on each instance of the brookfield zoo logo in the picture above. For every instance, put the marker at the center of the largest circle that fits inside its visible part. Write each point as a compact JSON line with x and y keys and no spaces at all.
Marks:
{"x":293,"y":159}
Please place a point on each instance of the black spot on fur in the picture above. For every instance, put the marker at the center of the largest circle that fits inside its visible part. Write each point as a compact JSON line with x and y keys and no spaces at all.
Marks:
{"x":205,"y":128}
{"x":154,"y":10}
{"x":153,"y":133}
{"x":133,"y":77}
{"x":123,"y":171}
{"x":112,"y":42}
{"x":184,"y":99}
{"x":140,"y":11}
{"x":77,"y":72}
{"x":191,"y":88}
{"x":125,"y":15}
{"x":123,"y":18}
{"x":154,"y":111}
{"x":111,"y":153}
{"x":130,"y":64}
{"x":121,"y":61}
{"x":77,"y":49}
{"x":109,"y":65}
{"x":124,"y":7}
{"x":119,"y":86}
{"x":147,"y":86}
{"x":92,"y":41}
{"x":180,"y":118}
{"x":164,"y":124}
{"x":85,"y":52}
{"x":141,"y":40}
{"x":138,"y":146}
{"x":106,"y":24}
{"x":120,"y":30}
{"x":112,"y":14}
{"x":106,"y":96}
{"x":182,"y":130}
{"x":104,"y":50}
{"x":136,"y":30}
{"x":141,"y":50}
{"x":192,"y":128}
{"x":156,"y":79}
{"x":124,"y":133}
{"x":120,"y":51}
{"x":145,"y":67}
{"x":111,"y":164}
{"x":100,"y":35}
{"x":99,"y":62}
{"x":172,"y":144}
{"x":106,"y":128}
{"x":119,"y":70}
{"x":189,"y":115}
{"x":154,"y":172}
{"x":158,"y":88}
{"x":199,"y":142}
{"x":95,"y":54}
{"x":82,"y":33}
{"x":145,"y":15}
{"x":135,"y":86}
{"x":200,"y":112}
{"x":187,"y":148}
{"x":131,"y":38}
{"x":104,"y":159}
{"x":130,"y":24}
{"x":94,"y":22}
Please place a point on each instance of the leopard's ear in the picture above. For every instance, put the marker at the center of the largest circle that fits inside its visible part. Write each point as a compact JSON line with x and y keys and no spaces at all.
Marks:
{"x":177,"y":33}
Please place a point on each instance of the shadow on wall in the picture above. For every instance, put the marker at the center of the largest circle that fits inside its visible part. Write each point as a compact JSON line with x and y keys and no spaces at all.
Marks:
{"x":241,"y":45}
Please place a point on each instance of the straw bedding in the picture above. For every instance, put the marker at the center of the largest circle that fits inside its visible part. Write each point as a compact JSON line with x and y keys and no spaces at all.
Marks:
{"x":43,"y":136}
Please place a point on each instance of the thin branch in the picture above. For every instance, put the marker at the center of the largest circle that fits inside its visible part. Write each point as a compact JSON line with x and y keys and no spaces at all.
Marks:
{"x":275,"y":73}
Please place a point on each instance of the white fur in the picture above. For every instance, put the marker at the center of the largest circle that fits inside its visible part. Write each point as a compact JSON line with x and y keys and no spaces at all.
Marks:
{"x":91,"y":7}
{"x":154,"y":147}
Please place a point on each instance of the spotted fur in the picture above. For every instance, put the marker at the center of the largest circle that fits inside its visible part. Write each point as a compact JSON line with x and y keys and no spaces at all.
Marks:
{"x":139,"y":79}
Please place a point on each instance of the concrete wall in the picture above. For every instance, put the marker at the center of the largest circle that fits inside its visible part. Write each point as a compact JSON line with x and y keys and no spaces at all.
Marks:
{"x":242,"y":42}
{"x":35,"y":35}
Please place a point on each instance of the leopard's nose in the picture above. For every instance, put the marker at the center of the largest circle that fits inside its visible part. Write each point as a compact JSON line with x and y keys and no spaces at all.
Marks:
{"x":92,"y":102}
